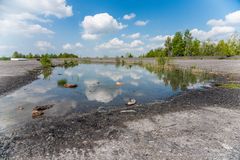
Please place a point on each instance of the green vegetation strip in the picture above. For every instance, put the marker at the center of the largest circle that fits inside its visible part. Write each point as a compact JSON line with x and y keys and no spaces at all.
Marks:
{"x":230,"y":85}
{"x":184,"y":44}
{"x":4,"y":58}
{"x":70,"y":63}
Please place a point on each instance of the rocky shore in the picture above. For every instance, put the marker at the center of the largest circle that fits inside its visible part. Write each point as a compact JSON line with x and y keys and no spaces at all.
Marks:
{"x":197,"y":124}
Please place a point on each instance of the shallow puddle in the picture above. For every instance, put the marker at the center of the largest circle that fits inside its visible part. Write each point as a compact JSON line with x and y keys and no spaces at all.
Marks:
{"x":96,"y":88}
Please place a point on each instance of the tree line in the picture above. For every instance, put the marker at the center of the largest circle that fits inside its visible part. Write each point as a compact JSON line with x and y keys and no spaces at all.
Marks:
{"x":183,"y":44}
{"x":30,"y":55}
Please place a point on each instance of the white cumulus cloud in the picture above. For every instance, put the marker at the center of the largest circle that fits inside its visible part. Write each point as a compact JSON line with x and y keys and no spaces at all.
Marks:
{"x":132,"y":36}
{"x":160,"y":38}
{"x":141,"y":23}
{"x":129,"y":16}
{"x":44,"y":45}
{"x":136,"y":43}
{"x":113,"y":43}
{"x":25,"y":16}
{"x":220,"y":28}
{"x":229,"y":20}
{"x":98,"y":25}
{"x":57,"y":8}
{"x":21,"y":27}
{"x":216,"y":33}
{"x":116,"y":43}
{"x":117,"y":46}
{"x":69,"y":46}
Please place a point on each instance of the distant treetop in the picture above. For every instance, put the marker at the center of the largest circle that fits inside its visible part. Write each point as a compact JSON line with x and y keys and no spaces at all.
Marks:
{"x":183,"y":44}
{"x":30,"y":55}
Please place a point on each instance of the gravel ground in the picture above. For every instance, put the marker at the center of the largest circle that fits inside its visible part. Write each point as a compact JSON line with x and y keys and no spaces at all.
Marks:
{"x":186,"y":127}
{"x":14,"y":74}
{"x":193,"y":125}
{"x":230,"y":67}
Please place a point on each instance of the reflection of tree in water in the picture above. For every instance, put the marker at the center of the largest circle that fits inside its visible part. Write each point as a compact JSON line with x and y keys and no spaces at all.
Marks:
{"x":70,"y":64}
{"x":47,"y":72}
{"x":177,"y":78}
{"x":127,"y":66}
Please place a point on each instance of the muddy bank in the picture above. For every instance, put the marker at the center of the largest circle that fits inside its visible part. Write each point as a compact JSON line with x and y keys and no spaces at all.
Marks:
{"x":196,"y":124}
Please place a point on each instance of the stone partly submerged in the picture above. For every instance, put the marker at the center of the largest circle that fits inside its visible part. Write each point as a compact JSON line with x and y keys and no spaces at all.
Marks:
{"x":38,"y":110}
{"x":128,"y":111}
{"x":131,"y":102}
{"x":36,"y":113}
{"x":119,"y":83}
{"x":70,"y":85}
{"x":42,"y":108}
{"x":102,"y":110}
{"x":20,"y":108}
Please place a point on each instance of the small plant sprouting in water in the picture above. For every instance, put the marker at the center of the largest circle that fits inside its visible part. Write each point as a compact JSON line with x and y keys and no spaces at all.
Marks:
{"x":193,"y":67}
{"x":123,"y":62}
{"x":141,"y":61}
{"x":162,"y":60}
{"x":47,"y":71}
{"x":62,"y":82}
{"x":118,"y":60}
{"x":46,"y":61}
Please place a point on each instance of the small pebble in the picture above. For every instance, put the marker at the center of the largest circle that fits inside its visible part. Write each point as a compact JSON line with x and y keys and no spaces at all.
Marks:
{"x":128,"y":111}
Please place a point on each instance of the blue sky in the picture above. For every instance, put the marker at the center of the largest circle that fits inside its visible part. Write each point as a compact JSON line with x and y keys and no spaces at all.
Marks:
{"x":110,"y":27}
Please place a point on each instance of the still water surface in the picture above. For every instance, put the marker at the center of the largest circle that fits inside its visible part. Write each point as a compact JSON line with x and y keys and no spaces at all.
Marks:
{"x":96,"y":88}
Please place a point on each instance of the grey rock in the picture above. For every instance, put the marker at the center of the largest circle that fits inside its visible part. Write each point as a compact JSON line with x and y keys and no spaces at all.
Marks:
{"x":102,"y":110}
{"x":42,"y":108}
{"x":128,"y":111}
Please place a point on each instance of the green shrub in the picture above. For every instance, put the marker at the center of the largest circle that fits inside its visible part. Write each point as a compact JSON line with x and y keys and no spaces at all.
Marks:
{"x":162,"y":60}
{"x":62,"y":82}
{"x":5,"y":58}
{"x":46,"y":61}
{"x":129,"y":55}
{"x":70,"y":63}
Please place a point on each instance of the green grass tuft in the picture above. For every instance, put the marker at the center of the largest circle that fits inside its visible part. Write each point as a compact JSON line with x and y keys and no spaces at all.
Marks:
{"x":230,"y":86}
{"x":62,"y":82}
